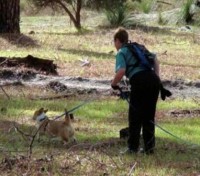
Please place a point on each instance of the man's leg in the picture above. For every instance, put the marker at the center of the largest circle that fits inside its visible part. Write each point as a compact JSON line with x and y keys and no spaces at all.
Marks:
{"x":148,"y":118}
{"x":149,"y":133}
{"x":135,"y":122}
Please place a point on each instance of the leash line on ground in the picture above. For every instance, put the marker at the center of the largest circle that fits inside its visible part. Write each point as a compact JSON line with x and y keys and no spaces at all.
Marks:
{"x":171,"y":134}
{"x":164,"y":130}
{"x":126,"y":98}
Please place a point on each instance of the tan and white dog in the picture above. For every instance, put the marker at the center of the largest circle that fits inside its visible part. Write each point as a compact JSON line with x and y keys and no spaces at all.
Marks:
{"x":62,"y":129}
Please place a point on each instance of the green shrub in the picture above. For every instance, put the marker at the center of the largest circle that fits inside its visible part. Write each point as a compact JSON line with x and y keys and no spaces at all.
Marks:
{"x":186,"y":16}
{"x":145,"y":6}
{"x":116,"y":15}
{"x":161,"y":20}
{"x":23,"y":4}
{"x":121,"y":14}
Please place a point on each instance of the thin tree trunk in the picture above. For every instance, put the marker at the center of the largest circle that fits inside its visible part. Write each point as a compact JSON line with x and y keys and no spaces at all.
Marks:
{"x":76,"y":19}
{"x":78,"y":14}
{"x":9,"y":16}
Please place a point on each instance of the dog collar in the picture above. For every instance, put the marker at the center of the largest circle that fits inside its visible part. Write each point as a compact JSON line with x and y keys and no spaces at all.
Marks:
{"x":41,"y":117}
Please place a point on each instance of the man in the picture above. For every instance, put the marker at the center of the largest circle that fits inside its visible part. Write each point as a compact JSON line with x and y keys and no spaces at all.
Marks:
{"x":145,"y":85}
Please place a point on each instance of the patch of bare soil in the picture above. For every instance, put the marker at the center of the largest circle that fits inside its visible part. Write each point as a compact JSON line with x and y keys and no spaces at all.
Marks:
{"x":185,"y":113}
{"x":20,"y":164}
{"x":35,"y":72}
{"x":22,"y":74}
{"x":6,"y":126}
{"x":43,"y":66}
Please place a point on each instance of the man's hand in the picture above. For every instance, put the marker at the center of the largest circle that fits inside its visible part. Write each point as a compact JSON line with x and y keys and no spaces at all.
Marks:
{"x":118,"y":76}
{"x":115,"y":87}
{"x":164,"y":93}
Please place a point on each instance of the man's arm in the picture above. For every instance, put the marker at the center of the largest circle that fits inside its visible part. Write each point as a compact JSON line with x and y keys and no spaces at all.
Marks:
{"x":118,"y":76}
{"x":156,"y":67}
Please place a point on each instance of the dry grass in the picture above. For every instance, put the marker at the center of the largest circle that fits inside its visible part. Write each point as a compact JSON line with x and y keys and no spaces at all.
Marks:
{"x":97,"y":125}
{"x":178,"y":53}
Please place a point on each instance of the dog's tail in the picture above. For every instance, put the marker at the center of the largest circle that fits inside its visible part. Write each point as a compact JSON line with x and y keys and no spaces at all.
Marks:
{"x":68,"y":118}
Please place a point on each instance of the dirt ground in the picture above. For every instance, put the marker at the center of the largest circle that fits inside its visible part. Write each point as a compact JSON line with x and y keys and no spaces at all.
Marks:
{"x":30,"y":77}
{"x":62,"y":85}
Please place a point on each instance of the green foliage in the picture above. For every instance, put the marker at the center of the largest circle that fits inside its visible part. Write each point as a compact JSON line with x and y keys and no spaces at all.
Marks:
{"x":186,"y":16}
{"x":121,"y":15}
{"x":97,"y":128}
{"x":161,"y":20}
{"x":70,"y":7}
{"x":102,"y":4}
{"x":116,"y":15}
{"x":145,"y":6}
{"x":178,"y":104}
{"x":23,"y":5}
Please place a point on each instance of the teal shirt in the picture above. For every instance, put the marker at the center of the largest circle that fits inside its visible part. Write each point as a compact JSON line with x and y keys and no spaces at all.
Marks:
{"x":124,"y":59}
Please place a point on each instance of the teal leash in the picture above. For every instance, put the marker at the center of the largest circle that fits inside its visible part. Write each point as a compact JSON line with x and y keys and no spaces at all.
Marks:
{"x":161,"y":128}
{"x":158,"y":126}
{"x":73,"y":109}
{"x":171,"y":134}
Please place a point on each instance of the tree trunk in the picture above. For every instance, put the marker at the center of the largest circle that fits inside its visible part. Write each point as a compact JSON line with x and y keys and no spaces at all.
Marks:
{"x":76,"y":18}
{"x":9,"y":16}
{"x":78,"y":14}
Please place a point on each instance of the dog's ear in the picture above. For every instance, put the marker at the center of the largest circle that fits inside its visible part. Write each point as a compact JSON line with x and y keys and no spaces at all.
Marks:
{"x":45,"y":110}
{"x":66,"y":113}
{"x":41,"y":110}
{"x":71,"y":116}
{"x":65,"y":110}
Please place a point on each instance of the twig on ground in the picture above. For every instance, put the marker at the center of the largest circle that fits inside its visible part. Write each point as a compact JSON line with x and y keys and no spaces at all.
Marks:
{"x":53,"y":98}
{"x":196,"y":101}
{"x":164,"y":2}
{"x":132,"y":169}
{"x":90,"y":158}
{"x":33,"y":138}
{"x":29,"y":136}
{"x":31,"y":144}
{"x":5,"y":92}
{"x":85,"y":146}
{"x":3,"y":62}
{"x":23,"y":93}
{"x":14,"y":151}
{"x":110,"y":158}
{"x":21,"y":132}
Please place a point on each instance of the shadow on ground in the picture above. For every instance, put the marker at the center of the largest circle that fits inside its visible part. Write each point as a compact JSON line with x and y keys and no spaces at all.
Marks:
{"x":20,"y":40}
{"x":86,"y":53}
{"x":88,"y":150}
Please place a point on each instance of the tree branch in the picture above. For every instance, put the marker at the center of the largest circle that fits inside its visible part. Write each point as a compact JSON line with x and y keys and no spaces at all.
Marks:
{"x":66,"y":10}
{"x":164,"y":2}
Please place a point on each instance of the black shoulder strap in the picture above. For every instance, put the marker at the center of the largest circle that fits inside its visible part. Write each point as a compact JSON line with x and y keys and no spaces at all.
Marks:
{"x":131,"y":45}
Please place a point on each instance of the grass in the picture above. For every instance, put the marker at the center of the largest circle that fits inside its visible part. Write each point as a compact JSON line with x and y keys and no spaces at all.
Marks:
{"x":145,"y":6}
{"x":98,"y":123}
{"x":54,"y":39}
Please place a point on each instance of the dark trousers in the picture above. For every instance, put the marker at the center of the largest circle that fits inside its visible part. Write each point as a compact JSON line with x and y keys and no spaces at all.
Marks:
{"x":144,"y":95}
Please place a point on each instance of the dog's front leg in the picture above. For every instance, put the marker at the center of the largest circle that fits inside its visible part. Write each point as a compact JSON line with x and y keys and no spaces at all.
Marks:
{"x":73,"y":140}
{"x":65,"y":141}
{"x":38,"y":136}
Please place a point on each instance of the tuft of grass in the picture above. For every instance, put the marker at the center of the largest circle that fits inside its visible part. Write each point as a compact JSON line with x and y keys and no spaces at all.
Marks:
{"x":145,"y":6}
{"x":55,"y":39}
{"x":97,"y":126}
{"x":177,"y":104}
{"x":186,"y":16}
{"x":116,"y":15}
{"x":161,"y":20}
